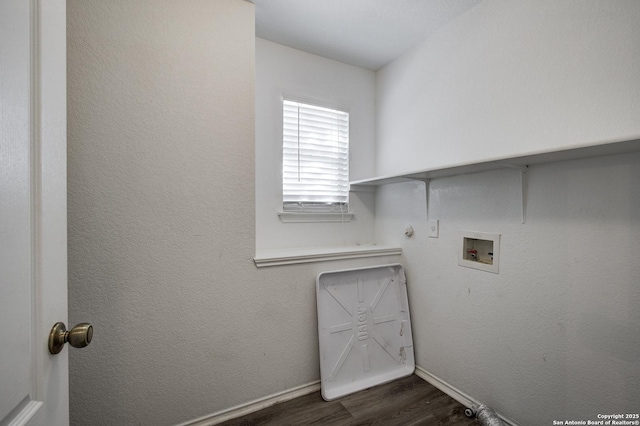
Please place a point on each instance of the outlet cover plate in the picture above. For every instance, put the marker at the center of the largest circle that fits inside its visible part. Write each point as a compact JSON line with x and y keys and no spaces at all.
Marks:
{"x":434,"y":228}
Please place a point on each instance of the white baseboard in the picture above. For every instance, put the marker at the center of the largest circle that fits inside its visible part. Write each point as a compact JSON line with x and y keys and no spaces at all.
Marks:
{"x":253,"y":406}
{"x":259,"y":404}
{"x":455,"y":393}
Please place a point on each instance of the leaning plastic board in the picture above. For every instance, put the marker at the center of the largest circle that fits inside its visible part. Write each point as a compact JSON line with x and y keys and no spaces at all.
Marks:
{"x":364,"y":329}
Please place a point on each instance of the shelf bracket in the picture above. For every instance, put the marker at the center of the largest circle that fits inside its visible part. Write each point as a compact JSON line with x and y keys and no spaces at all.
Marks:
{"x":522,"y":169}
{"x":426,"y":192}
{"x":523,"y":192}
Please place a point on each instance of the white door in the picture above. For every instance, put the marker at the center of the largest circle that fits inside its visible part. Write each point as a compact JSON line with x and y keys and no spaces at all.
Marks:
{"x":34,"y":385}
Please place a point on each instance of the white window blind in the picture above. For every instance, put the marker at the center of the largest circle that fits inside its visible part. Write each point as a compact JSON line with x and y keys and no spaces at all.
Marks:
{"x":315,"y":158}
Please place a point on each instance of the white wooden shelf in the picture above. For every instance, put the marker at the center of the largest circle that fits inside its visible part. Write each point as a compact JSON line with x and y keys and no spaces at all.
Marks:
{"x":520,"y":163}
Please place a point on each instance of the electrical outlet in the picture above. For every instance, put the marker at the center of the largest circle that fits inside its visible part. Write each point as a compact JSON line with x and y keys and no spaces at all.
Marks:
{"x":434,"y":228}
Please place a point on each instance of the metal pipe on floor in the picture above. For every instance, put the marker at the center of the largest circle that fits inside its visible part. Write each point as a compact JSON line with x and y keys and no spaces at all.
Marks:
{"x":485,"y":415}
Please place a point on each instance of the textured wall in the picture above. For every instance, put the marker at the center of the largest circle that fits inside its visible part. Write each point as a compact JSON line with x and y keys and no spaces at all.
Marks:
{"x":509,"y":78}
{"x":161,"y":219}
{"x":554,"y":335}
{"x":285,"y":72}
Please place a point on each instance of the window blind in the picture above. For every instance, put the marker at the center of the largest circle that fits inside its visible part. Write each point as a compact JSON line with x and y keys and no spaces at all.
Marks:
{"x":315,"y":157}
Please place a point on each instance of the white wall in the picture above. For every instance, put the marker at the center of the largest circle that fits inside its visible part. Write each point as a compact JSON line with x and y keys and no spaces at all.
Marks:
{"x":554,"y":334}
{"x":161,"y":219}
{"x":285,"y":72}
{"x":510,"y":78}
{"x":161,"y":121}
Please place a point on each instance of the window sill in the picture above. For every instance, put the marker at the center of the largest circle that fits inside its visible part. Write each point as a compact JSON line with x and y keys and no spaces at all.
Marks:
{"x":295,"y":256}
{"x":306,"y":217}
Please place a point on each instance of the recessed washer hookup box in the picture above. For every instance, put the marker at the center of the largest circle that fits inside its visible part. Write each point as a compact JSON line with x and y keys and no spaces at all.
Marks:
{"x":364,"y":329}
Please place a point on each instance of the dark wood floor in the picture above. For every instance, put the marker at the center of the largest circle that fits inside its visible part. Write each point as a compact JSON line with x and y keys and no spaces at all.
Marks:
{"x":404,"y":402}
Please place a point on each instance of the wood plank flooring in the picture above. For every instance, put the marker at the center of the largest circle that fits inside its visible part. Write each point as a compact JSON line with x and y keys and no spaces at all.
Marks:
{"x":404,"y":402}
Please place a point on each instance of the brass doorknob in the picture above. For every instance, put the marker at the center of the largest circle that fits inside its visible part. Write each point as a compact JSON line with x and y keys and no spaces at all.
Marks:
{"x":78,"y":337}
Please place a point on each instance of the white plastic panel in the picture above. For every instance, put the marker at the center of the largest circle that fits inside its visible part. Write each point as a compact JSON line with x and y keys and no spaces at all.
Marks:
{"x":364,"y":329}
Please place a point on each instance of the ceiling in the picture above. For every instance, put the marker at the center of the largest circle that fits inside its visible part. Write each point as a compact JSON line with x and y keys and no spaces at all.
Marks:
{"x":365,"y":33}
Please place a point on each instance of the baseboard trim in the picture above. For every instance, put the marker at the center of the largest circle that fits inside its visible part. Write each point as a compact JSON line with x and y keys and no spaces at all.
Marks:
{"x":259,"y":404}
{"x":253,"y":406}
{"x":454,"y":392}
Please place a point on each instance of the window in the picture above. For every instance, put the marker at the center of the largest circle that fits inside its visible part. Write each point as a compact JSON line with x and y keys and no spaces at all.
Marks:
{"x":315,"y":171}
